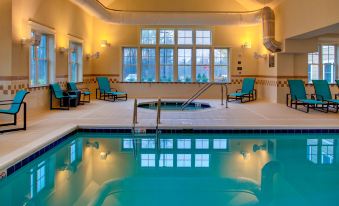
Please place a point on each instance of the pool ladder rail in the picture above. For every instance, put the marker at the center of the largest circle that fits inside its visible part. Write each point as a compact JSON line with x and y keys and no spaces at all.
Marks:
{"x":203,"y":90}
{"x":140,"y":132}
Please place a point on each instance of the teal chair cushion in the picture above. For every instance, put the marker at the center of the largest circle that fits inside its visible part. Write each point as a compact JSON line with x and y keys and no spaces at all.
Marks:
{"x":337,"y":81}
{"x":87,"y":93}
{"x":16,"y":104}
{"x":335,"y":101}
{"x":58,"y":92}
{"x":297,"y":89}
{"x":248,"y":85}
{"x":104,"y":85}
{"x":73,"y":86}
{"x":311,"y":101}
{"x":322,"y":90}
{"x":238,"y":94}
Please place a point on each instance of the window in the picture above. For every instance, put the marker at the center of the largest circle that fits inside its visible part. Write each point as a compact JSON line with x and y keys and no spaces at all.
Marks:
{"x":221,"y":65}
{"x":328,"y":62}
{"x":220,"y":144}
{"x":166,"y":65}
{"x":167,"y":36}
{"x":185,"y":37}
{"x":323,"y":64}
{"x":203,"y":37}
{"x":312,"y":150}
{"x":201,"y":143}
{"x":184,"y":160}
{"x":203,"y":65}
{"x":72,"y":152}
{"x":39,"y":69}
{"x":149,"y":36}
{"x":41,"y":177}
{"x":184,"y":143}
{"x":127,"y":143}
{"x":202,"y":160}
{"x":148,"y":143}
{"x":184,"y":65}
{"x":75,"y":62}
{"x":147,"y":160}
{"x":320,"y":151}
{"x":148,"y":65}
{"x":166,"y":160}
{"x":166,"y":143}
{"x":130,"y":64}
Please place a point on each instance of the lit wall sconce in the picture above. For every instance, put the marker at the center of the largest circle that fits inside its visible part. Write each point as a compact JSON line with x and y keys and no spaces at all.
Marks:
{"x":246,"y":45}
{"x":92,"y":145}
{"x":33,"y":41}
{"x":103,"y":155}
{"x":258,"y":56}
{"x":259,"y":147}
{"x":104,"y":43}
{"x":63,"y":50}
{"x":245,"y":155}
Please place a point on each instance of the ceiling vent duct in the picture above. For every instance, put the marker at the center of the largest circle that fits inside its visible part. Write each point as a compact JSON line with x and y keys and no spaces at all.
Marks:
{"x":268,"y":20}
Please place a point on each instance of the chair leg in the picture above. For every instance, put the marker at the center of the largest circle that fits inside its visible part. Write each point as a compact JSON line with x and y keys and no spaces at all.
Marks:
{"x":25,"y":117}
{"x":15,"y":119}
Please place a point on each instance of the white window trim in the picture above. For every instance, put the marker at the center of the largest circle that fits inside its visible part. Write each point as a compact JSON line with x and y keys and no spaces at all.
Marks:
{"x":34,"y":26}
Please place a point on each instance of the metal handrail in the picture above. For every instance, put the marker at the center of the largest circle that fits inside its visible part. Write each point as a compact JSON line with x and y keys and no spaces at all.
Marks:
{"x":204,"y":89}
{"x":135,"y":113}
{"x":158,"y":122}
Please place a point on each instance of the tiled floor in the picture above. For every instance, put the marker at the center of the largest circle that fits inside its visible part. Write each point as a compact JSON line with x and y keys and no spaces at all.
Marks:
{"x":43,"y":128}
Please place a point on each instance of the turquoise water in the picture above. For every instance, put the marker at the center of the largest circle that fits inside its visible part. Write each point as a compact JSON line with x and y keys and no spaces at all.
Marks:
{"x":174,"y":105}
{"x":190,"y":169}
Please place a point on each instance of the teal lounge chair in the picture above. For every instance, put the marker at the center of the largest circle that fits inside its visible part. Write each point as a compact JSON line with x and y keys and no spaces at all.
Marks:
{"x":14,"y":109}
{"x":337,"y":81}
{"x":298,"y":97}
{"x":323,"y":93}
{"x":247,"y":91}
{"x":65,"y":98}
{"x":106,"y":92}
{"x":72,"y":87}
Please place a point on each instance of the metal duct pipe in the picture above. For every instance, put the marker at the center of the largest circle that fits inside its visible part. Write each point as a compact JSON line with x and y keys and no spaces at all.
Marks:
{"x":268,"y":20}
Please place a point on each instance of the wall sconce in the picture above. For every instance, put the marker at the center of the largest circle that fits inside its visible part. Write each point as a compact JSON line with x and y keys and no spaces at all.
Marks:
{"x":245,"y":155}
{"x":246,"y":45}
{"x":92,"y":145}
{"x":259,"y":147}
{"x":104,"y":43}
{"x":258,"y":56}
{"x":33,"y":41}
{"x":63,"y":50}
{"x":103,"y":155}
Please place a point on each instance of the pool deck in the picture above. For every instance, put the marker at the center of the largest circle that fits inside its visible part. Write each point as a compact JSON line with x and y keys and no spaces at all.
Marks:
{"x":46,"y":127}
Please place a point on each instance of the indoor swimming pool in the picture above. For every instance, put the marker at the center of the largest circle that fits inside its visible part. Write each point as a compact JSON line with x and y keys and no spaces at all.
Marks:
{"x":180,"y":169}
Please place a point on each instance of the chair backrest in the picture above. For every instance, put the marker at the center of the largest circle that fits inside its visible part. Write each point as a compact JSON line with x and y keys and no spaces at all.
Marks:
{"x":248,"y":85}
{"x":18,"y":99}
{"x":72,"y":86}
{"x":104,"y":85}
{"x":337,"y":81}
{"x":58,"y":92}
{"x":297,"y":89}
{"x":322,"y":89}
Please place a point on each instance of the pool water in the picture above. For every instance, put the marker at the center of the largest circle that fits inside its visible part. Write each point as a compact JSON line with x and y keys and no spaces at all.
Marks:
{"x":181,"y":169}
{"x":174,"y":106}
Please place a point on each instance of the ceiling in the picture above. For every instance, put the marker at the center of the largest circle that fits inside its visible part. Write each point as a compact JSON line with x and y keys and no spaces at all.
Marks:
{"x":189,"y":5}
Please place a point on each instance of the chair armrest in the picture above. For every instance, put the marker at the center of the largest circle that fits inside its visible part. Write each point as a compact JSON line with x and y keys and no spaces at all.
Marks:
{"x":10,"y":103}
{"x":6,"y":101}
{"x":84,"y":89}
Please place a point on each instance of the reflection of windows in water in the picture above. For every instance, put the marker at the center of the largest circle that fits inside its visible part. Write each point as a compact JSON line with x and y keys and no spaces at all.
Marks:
{"x":148,"y":143}
{"x":127,"y":143}
{"x":147,"y":160}
{"x":312,"y":150}
{"x":201,"y":144}
{"x":72,"y":152}
{"x":184,"y":143}
{"x":184,"y":160}
{"x":320,"y":151}
{"x":37,"y":179}
{"x":202,"y":160}
{"x":220,"y":144}
{"x":166,"y":160}
{"x":166,"y":143}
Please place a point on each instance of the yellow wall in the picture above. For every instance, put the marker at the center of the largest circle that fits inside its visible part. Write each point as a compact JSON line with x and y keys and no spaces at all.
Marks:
{"x":5,"y":37}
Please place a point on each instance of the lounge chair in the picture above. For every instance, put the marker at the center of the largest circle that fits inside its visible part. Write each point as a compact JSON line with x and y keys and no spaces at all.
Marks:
{"x":65,"y":98}
{"x":247,"y":91}
{"x":106,"y":92}
{"x":72,"y":87}
{"x":323,"y":93}
{"x":298,"y":97}
{"x":14,"y":109}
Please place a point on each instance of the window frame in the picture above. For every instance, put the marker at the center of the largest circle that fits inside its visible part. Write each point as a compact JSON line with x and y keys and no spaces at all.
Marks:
{"x":51,"y":54}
